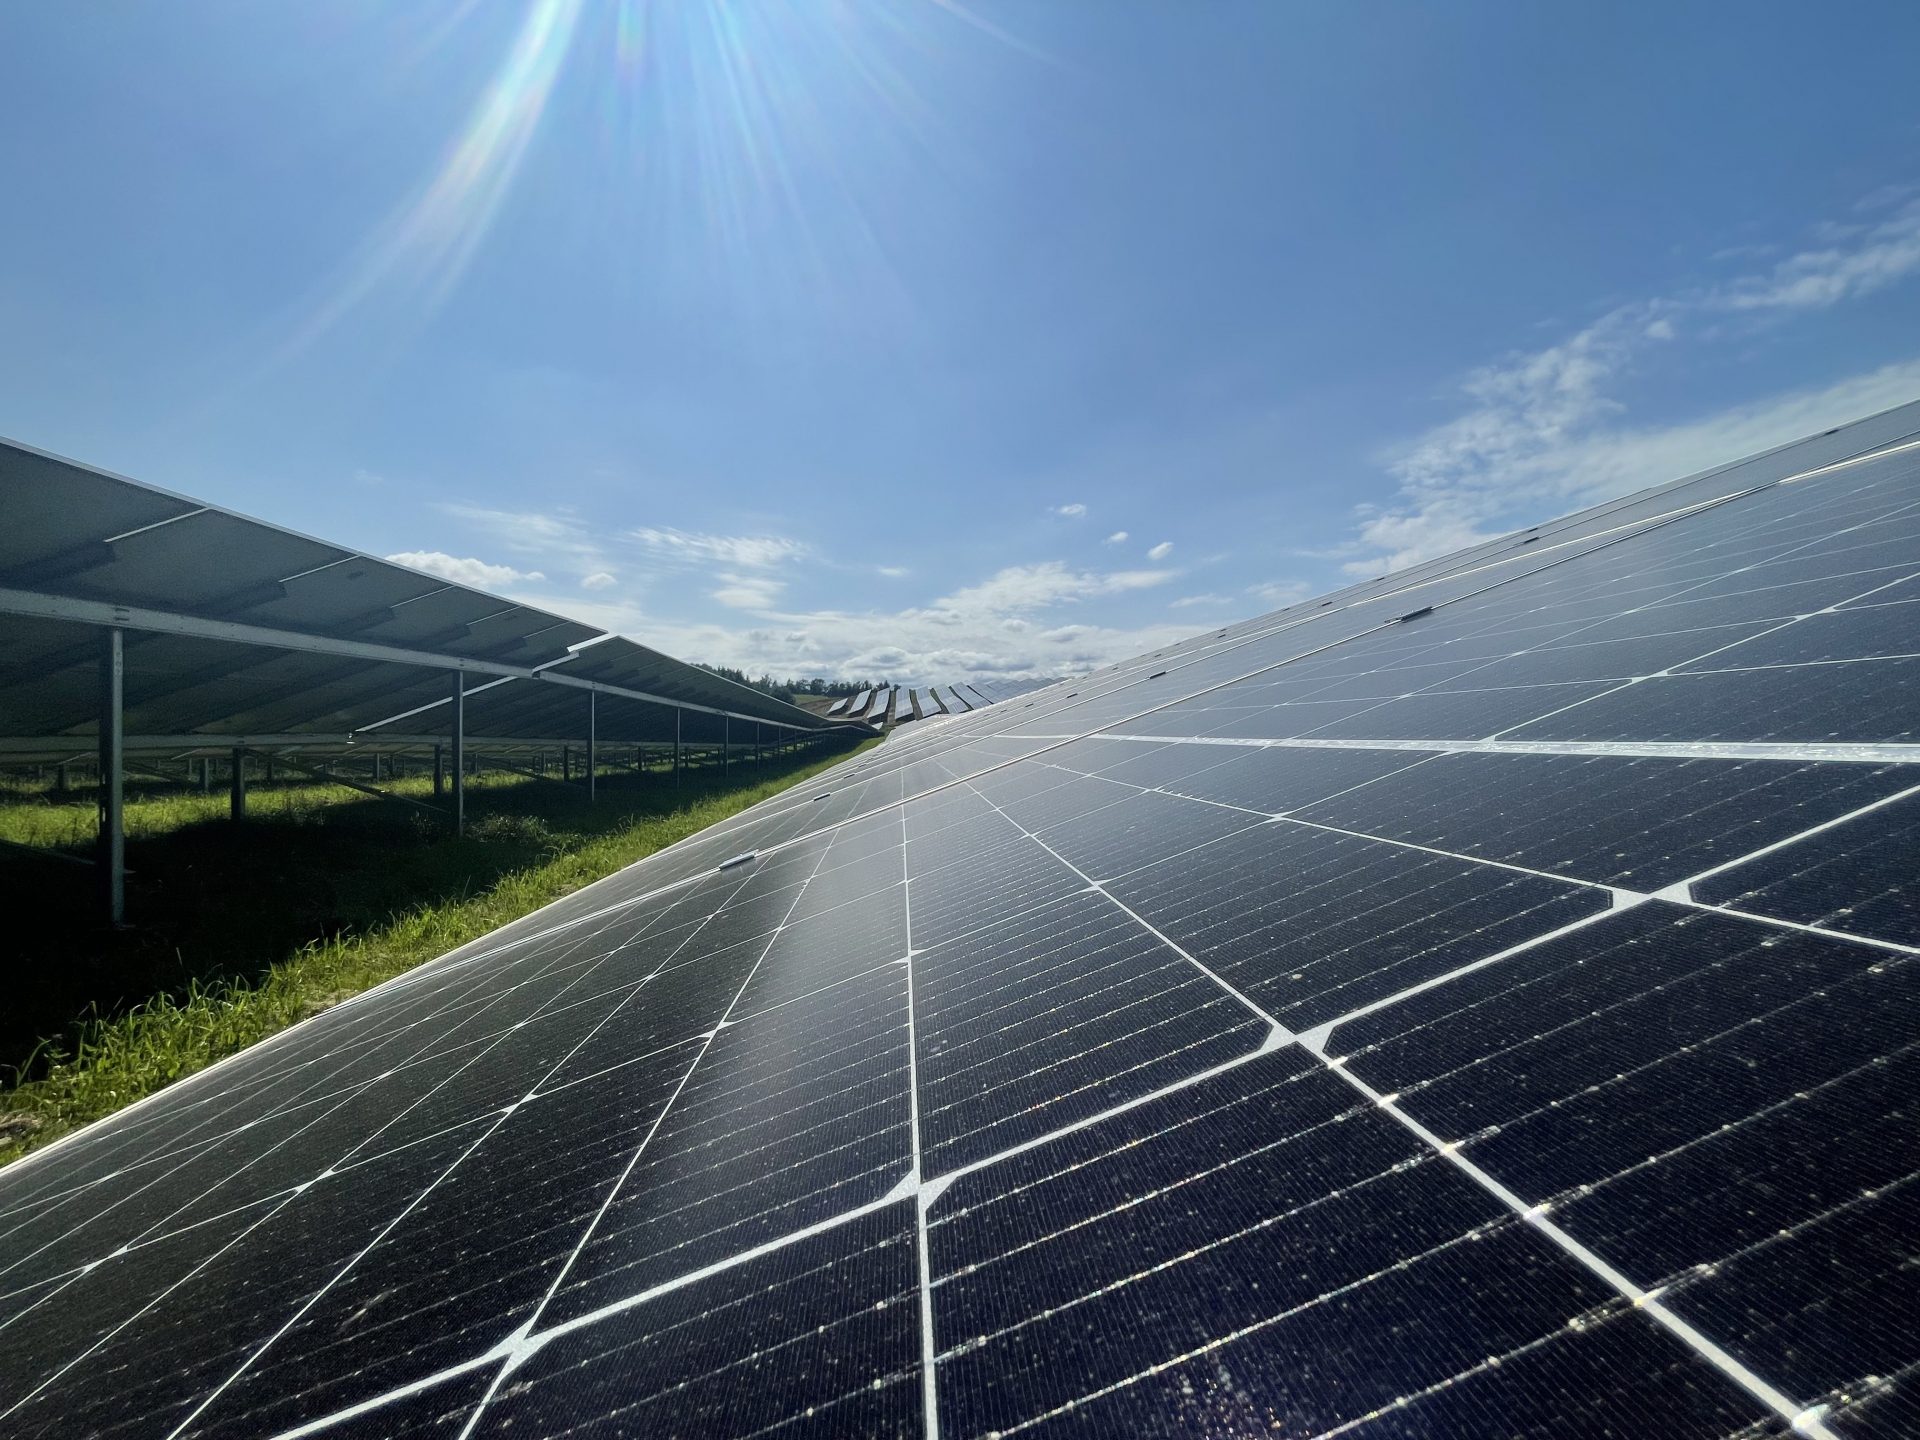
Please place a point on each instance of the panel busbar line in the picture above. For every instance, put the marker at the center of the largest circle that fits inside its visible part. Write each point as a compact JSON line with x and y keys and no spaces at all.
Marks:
{"x":1480,"y":1004}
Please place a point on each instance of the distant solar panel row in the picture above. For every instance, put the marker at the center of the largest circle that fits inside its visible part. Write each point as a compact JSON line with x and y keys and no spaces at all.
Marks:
{"x":1481,"y":1002}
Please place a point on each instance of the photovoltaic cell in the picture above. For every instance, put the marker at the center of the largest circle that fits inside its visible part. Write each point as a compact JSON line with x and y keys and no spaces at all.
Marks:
{"x":1477,"y":1002}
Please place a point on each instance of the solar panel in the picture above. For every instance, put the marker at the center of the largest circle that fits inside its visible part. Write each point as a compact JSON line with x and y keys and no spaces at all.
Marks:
{"x":1481,"y":1003}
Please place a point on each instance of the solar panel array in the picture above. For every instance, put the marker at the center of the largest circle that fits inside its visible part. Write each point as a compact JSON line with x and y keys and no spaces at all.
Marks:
{"x":236,"y":629}
{"x":1480,"y":1002}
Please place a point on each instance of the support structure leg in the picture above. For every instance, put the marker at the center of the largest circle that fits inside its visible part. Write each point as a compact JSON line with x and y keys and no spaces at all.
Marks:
{"x":459,"y":753}
{"x":593,"y":721}
{"x":237,"y":792}
{"x":113,"y":775}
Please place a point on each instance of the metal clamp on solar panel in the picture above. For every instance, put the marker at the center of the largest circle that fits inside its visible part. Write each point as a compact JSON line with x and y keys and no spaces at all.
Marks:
{"x":741,"y":859}
{"x":1413,"y":615}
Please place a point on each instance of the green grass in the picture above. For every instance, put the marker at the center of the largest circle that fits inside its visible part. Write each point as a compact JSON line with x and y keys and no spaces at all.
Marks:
{"x":239,"y":931}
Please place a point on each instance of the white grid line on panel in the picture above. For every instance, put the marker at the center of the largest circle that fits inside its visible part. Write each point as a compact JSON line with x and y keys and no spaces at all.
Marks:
{"x":929,"y":1383}
{"x":527,"y":1339}
{"x":286,"y":1195}
{"x":1803,"y":1419}
{"x":1834,"y":753}
{"x":386,"y":1230}
{"x":1095,"y":885}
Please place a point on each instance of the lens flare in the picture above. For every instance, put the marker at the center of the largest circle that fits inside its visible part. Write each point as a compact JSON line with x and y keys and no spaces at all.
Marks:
{"x":432,"y":238}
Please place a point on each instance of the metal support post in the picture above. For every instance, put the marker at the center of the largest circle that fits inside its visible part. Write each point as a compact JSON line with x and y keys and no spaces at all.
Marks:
{"x":593,"y":720}
{"x":459,"y":753}
{"x":113,"y":775}
{"x":726,"y":742}
{"x":237,"y":793}
{"x":439,"y":771}
{"x":60,"y":777}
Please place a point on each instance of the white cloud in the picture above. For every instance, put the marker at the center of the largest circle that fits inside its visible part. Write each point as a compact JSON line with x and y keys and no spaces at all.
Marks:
{"x":748,"y":592}
{"x":739,"y":567}
{"x":1544,"y":433}
{"x":1118,"y":537}
{"x":1161,"y":551}
{"x":742,"y":551}
{"x":465,"y":570}
{"x":1020,"y":589}
{"x":1868,"y":260}
{"x":1072,"y":512}
{"x":526,"y":530}
{"x":1187,"y":601}
{"x":1597,"y":462}
{"x":893,"y":572}
{"x":1280,"y":593}
{"x":1022,"y":621}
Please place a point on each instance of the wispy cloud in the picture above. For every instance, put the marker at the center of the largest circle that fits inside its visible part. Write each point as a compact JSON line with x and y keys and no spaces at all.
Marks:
{"x":742,"y":572}
{"x":465,"y":570}
{"x":1118,"y":537}
{"x":550,"y":534}
{"x":1022,"y":589}
{"x":1072,"y":512}
{"x":1279,"y":593}
{"x":1161,"y":551}
{"x":892,"y":572}
{"x":1023,"y":620}
{"x":1879,"y":256}
{"x":1188,"y":601}
{"x":748,"y":592}
{"x":1545,"y":431}
{"x":692,"y":548}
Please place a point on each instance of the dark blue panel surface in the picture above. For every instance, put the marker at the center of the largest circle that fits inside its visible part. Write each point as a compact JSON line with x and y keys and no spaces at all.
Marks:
{"x":1087,"y":1065}
{"x":1861,"y":877}
{"x":1313,"y":924}
{"x":1636,"y":822}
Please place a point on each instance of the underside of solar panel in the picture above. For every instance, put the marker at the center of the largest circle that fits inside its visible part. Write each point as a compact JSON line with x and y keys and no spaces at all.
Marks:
{"x":1478,"y":1002}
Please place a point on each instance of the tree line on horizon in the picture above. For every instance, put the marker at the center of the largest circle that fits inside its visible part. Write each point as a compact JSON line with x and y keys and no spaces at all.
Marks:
{"x":787,"y":689}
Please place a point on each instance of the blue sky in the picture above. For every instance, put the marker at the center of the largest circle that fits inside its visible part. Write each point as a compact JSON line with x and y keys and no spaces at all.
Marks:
{"x":938,"y":340}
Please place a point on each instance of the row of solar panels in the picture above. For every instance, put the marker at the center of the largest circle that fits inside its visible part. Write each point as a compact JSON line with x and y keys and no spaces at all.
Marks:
{"x":898,"y":704}
{"x":239,"y":629}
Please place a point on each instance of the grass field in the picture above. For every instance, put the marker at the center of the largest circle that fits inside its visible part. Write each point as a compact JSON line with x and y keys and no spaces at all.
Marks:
{"x":238,"y":931}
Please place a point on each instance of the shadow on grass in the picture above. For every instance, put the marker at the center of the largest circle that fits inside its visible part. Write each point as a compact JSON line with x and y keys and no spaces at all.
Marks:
{"x":210,"y":902}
